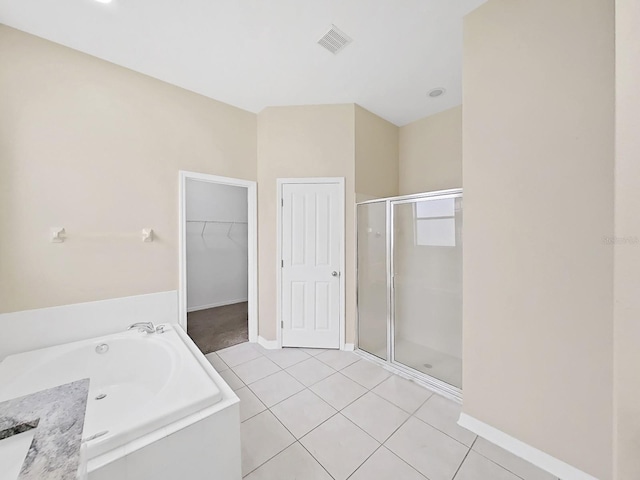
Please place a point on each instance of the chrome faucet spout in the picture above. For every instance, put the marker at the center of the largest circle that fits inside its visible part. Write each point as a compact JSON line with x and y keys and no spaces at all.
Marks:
{"x":143,"y":327}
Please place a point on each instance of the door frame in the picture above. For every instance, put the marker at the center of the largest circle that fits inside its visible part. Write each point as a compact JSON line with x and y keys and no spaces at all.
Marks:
{"x":252,"y":245}
{"x":279,"y":204}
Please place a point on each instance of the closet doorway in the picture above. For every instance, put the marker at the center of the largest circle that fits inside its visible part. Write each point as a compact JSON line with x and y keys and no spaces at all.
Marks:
{"x":217,"y":296}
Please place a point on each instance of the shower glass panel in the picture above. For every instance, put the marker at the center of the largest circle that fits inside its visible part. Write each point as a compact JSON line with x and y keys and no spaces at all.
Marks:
{"x":427,"y":286}
{"x":372,"y":278}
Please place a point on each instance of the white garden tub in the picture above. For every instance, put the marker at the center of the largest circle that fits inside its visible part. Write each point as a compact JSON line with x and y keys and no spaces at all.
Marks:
{"x":140,"y":385}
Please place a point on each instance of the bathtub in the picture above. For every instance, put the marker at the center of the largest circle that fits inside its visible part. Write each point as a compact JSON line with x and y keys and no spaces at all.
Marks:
{"x":144,"y":387}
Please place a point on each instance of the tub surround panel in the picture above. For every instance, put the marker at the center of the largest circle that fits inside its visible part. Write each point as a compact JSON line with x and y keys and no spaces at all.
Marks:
{"x":23,"y":331}
{"x":57,"y":415}
{"x":204,"y":447}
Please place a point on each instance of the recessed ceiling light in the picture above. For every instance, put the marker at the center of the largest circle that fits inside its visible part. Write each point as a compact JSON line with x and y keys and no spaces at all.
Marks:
{"x":436,"y":92}
{"x":103,"y":1}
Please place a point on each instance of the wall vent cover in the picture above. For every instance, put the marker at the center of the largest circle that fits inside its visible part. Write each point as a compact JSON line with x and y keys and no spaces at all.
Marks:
{"x":335,"y":40}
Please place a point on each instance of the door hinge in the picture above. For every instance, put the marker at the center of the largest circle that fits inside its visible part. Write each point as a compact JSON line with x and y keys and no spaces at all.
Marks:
{"x":282,"y":202}
{"x":281,"y":263}
{"x":282,"y":324}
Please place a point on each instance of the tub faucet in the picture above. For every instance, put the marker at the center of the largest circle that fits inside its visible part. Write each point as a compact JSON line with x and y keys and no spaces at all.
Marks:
{"x":143,"y":327}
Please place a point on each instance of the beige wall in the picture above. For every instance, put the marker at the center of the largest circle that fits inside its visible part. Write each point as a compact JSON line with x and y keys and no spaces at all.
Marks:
{"x":430,"y":155}
{"x":538,"y":177}
{"x":627,"y":250}
{"x":376,"y":155}
{"x":96,"y":148}
{"x":309,"y":141}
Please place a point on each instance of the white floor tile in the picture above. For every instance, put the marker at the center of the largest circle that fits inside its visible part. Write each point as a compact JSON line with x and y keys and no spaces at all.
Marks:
{"x":338,"y":359}
{"x":366,"y":373}
{"x":238,"y":354}
{"x":376,"y":416}
{"x":338,"y":390}
{"x":514,"y":464}
{"x":285,"y":357}
{"x":275,"y":388}
{"x":339,"y":446}
{"x":443,"y":414}
{"x":384,"y":465}
{"x":303,"y":412}
{"x":232,"y":379}
{"x":250,"y":405}
{"x":313,"y":351}
{"x":310,"y":371}
{"x":262,"y":438}
{"x":434,"y":454}
{"x":295,"y":463}
{"x":406,"y":394}
{"x":476,"y":467}
{"x":255,"y":369}
{"x":216,"y":362}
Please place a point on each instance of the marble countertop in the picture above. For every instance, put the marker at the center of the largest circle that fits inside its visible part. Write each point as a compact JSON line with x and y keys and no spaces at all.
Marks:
{"x":57,"y":415}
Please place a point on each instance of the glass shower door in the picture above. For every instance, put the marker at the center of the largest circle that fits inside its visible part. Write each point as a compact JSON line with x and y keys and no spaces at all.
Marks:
{"x":372,"y":279}
{"x":427,"y":286}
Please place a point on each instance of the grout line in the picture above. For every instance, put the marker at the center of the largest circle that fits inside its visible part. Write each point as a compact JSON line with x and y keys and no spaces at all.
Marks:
{"x":280,"y":401}
{"x":382,"y":444}
{"x":354,"y":400}
{"x":365,"y":461}
{"x":315,"y":459}
{"x":492,"y":461}
{"x":502,"y":466}
{"x":270,"y":458}
{"x":402,"y":424}
{"x":359,"y":428}
{"x":336,"y":369}
{"x":442,"y":431}
{"x":294,"y":363}
{"x":362,"y":429}
{"x":257,"y":398}
{"x":241,"y":363}
{"x":405,"y":462}
{"x":461,"y":463}
{"x":297,"y":440}
{"x":339,"y":412}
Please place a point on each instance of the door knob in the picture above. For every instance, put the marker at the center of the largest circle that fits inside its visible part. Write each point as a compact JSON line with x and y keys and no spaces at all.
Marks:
{"x":334,"y":274}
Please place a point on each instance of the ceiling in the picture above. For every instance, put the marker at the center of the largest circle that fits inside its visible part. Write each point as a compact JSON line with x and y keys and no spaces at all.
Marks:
{"x":258,"y":53}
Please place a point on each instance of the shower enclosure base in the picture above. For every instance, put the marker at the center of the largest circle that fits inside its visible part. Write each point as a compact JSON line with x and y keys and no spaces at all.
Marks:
{"x":431,"y":383}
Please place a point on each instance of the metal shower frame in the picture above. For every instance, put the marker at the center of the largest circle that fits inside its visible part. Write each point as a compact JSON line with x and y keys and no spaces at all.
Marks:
{"x":433,"y":383}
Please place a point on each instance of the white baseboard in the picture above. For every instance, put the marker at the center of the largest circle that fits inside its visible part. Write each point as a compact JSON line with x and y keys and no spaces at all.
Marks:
{"x":531,"y":454}
{"x":32,"y":329}
{"x":349,"y":347}
{"x":268,"y":344}
{"x":216,"y":304}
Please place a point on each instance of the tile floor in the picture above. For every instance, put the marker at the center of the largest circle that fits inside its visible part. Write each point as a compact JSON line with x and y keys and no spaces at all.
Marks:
{"x":325,"y":414}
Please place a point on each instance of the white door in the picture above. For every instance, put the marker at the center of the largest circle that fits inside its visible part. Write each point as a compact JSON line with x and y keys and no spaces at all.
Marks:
{"x":312,"y":239}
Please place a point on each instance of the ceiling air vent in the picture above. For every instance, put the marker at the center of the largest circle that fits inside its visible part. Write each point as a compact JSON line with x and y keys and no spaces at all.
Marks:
{"x":334,"y":40}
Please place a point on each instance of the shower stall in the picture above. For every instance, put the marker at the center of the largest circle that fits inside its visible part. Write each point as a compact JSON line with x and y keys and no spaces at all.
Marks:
{"x":410,"y":286}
